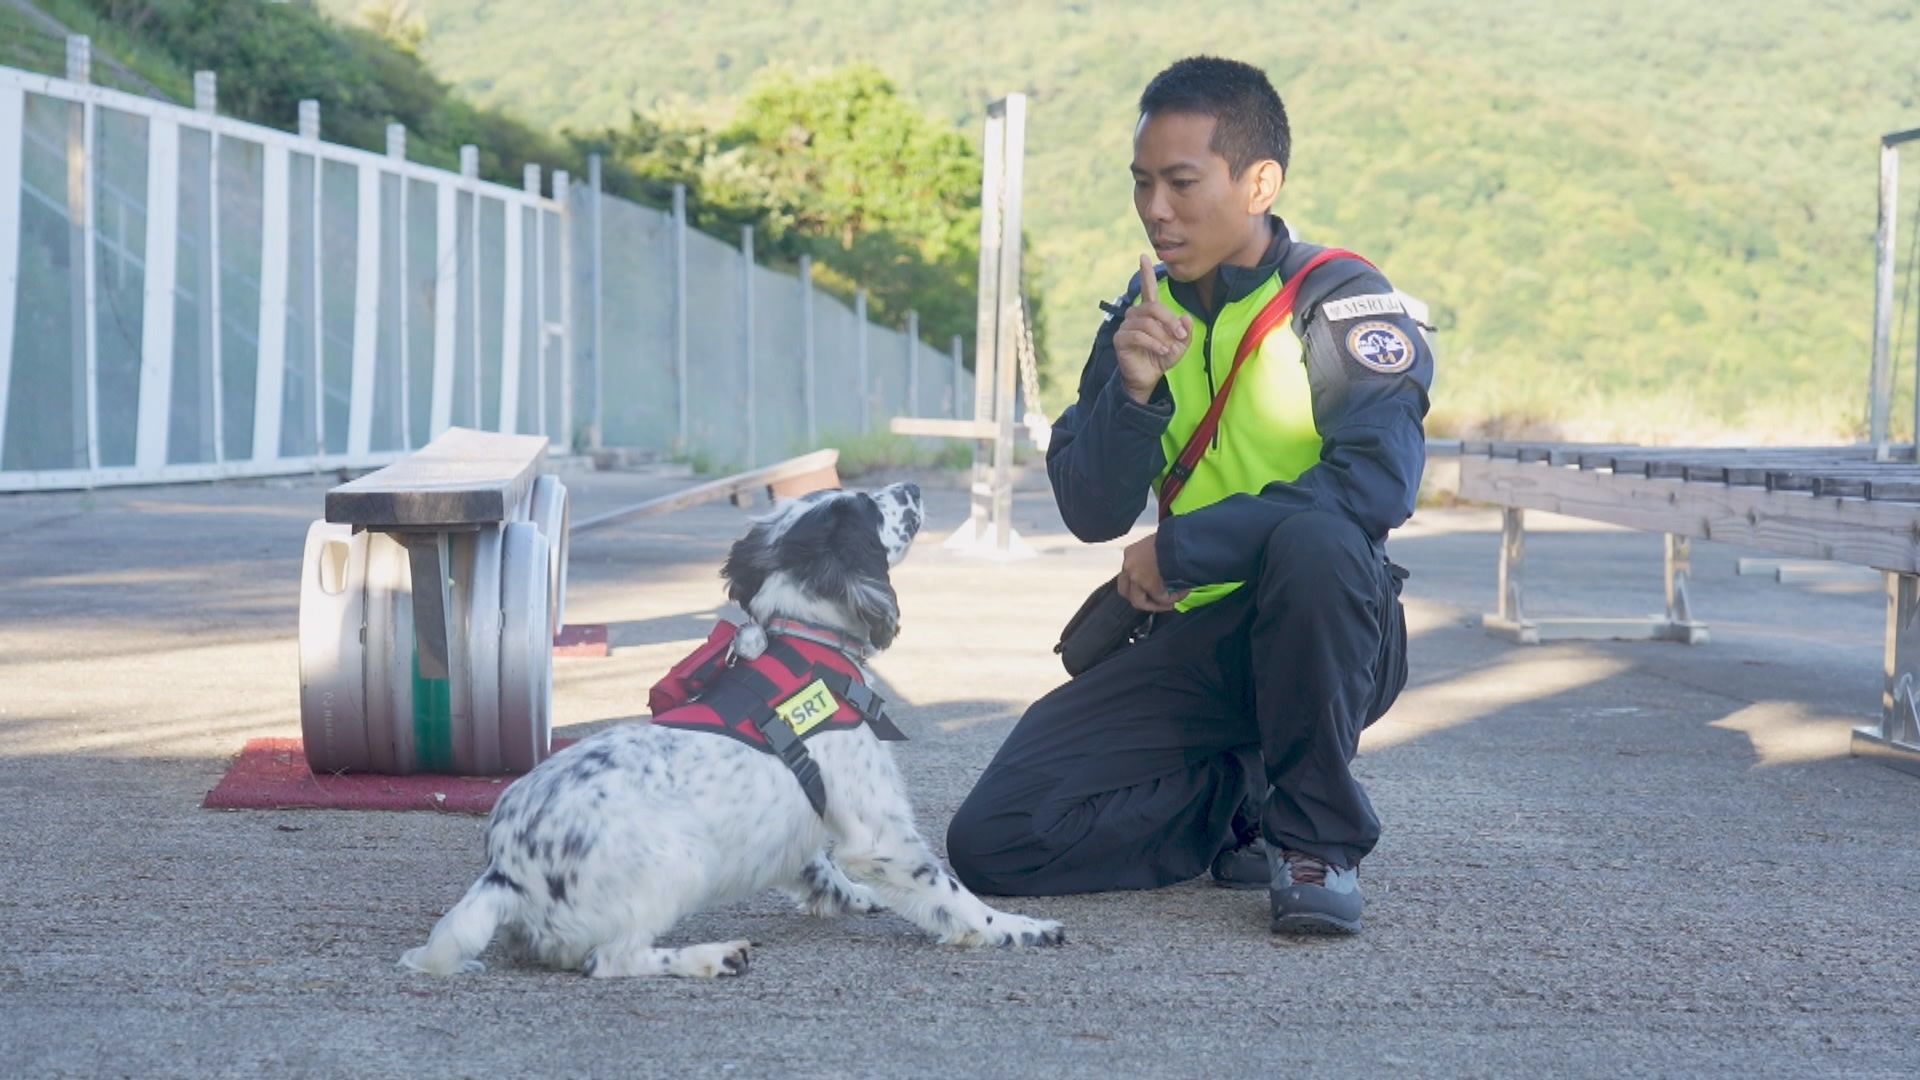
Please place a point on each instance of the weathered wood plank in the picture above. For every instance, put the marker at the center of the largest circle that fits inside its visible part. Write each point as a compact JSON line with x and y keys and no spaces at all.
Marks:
{"x":819,"y":467}
{"x":1884,"y":535}
{"x":464,"y":477}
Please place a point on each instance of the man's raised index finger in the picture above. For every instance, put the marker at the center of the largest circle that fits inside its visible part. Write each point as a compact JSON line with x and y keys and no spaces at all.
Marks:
{"x":1149,"y":288}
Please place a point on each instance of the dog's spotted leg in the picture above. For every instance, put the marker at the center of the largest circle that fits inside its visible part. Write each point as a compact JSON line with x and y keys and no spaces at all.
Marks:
{"x":899,"y":867}
{"x":824,"y":890}
{"x":635,"y":955}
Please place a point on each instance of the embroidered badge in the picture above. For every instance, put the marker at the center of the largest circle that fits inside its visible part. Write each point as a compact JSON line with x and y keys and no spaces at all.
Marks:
{"x":808,"y":709}
{"x":1380,"y":346}
{"x":1361,"y":307}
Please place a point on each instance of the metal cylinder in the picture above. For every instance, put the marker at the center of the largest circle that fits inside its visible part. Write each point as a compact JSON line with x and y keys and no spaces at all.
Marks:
{"x":364,"y":704}
{"x":526,"y":648}
{"x":333,"y":720}
{"x":550,"y":513}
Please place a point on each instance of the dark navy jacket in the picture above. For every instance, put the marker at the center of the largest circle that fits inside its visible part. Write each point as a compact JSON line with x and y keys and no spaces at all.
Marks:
{"x":1106,"y":449}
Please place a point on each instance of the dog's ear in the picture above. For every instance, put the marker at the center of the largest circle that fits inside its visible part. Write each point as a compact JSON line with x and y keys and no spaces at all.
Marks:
{"x":867,"y":591}
{"x":749,"y":562}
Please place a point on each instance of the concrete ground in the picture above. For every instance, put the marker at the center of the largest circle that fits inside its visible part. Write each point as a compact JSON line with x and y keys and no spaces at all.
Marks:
{"x":1599,"y":858}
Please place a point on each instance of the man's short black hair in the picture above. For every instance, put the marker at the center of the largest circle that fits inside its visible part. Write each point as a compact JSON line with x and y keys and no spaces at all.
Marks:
{"x":1250,"y":123}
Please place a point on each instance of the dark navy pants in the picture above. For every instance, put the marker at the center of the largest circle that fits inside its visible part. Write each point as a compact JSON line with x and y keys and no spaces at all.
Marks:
{"x":1130,"y":775}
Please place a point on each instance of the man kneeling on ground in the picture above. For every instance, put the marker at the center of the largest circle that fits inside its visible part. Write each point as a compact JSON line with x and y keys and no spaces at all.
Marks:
{"x":1222,"y":740}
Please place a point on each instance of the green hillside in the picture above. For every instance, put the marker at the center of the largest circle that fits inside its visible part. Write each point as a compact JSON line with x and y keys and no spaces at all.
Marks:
{"x":1631,"y":218}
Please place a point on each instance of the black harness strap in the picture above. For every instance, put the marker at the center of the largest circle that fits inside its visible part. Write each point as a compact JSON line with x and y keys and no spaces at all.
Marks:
{"x":855,"y":692}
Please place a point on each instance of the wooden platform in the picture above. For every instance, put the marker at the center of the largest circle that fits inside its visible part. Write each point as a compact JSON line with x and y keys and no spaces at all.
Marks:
{"x":1813,"y":502}
{"x":463,"y":477}
{"x":1840,"y":503}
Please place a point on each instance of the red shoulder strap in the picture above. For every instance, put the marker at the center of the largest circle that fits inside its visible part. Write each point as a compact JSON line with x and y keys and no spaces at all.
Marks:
{"x":1276,"y":312}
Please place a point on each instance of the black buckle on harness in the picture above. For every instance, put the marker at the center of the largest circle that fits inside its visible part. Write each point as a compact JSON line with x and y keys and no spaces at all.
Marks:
{"x":870,"y":705}
{"x":793,"y":752}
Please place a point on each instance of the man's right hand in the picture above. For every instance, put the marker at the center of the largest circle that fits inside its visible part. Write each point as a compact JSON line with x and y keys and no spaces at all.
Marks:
{"x":1150,"y":339}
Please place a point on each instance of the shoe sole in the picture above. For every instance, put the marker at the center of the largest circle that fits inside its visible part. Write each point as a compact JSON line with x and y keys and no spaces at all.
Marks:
{"x":1322,"y":925}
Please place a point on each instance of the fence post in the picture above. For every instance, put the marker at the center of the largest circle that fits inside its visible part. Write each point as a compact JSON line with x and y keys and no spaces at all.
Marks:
{"x":309,"y":125}
{"x":152,"y":425}
{"x":746,"y":340}
{"x":680,"y":312}
{"x":806,"y":349}
{"x":470,"y":171}
{"x":958,"y":367}
{"x":599,"y":305}
{"x":80,"y":157}
{"x":563,"y":195}
{"x":13,"y":105}
{"x":206,"y":99}
{"x":276,"y":283}
{"x":530,"y":183}
{"x":860,"y":359}
{"x":913,"y":362}
{"x":397,"y":151}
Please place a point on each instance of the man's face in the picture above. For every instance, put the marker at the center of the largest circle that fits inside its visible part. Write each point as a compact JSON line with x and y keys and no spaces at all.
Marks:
{"x":1196,"y":214}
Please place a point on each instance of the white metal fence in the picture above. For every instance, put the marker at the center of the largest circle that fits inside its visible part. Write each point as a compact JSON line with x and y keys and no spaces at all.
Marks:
{"x":185,"y":296}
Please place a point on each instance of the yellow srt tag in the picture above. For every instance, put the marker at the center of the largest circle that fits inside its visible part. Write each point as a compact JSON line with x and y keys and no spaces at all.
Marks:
{"x":809,"y":708}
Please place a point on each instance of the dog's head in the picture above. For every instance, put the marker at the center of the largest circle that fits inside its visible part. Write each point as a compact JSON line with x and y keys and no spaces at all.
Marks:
{"x":824,"y":557}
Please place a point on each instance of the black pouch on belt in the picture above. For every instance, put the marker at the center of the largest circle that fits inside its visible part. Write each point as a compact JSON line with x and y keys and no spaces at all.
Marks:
{"x":1104,"y":623}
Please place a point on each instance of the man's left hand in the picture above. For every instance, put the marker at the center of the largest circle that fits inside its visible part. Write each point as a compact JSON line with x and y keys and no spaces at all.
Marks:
{"x":1140,"y":580}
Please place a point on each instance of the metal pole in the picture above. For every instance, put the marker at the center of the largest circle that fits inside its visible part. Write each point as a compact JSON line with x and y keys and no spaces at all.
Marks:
{"x":1006,"y":348}
{"x":470,"y":169}
{"x":310,"y":130}
{"x":530,"y":182}
{"x":397,"y":150}
{"x":959,"y":366}
{"x":599,"y":305}
{"x":913,"y":363}
{"x":80,"y":194}
{"x":680,"y":311}
{"x":860,"y":358}
{"x":563,"y":195}
{"x":746,"y":340}
{"x":206,"y":98}
{"x":986,"y":336}
{"x":806,"y":349}
{"x":1880,"y":380}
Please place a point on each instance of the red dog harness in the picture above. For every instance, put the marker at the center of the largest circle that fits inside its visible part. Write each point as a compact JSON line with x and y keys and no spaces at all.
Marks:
{"x":799,"y":687}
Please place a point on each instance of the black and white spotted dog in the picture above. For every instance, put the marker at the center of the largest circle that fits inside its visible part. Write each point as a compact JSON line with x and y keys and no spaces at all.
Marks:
{"x":602,"y":848}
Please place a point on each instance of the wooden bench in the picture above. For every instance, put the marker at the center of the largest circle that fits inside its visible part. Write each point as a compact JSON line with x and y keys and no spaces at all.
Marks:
{"x":430,"y":596}
{"x":1843,"y":504}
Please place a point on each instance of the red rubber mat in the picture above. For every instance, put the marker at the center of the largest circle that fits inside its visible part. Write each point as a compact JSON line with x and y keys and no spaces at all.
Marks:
{"x":272,"y":774}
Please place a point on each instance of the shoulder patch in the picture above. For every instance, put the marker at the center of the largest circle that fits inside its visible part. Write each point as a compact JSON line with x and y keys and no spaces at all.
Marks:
{"x":1380,"y":346}
{"x":1360,"y":307}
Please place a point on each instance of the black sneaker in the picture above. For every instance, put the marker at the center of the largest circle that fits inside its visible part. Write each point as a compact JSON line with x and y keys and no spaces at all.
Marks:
{"x":1312,"y":896}
{"x":1243,"y":867}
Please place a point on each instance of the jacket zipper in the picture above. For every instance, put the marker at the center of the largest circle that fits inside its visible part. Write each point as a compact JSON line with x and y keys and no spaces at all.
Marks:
{"x":1206,"y":358}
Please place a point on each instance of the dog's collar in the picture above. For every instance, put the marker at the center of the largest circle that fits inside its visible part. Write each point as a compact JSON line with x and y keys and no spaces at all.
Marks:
{"x":853,"y":648}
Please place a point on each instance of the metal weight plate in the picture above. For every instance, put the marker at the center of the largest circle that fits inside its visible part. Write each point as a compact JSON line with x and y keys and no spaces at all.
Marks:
{"x":526,"y":648}
{"x":476,"y":728}
{"x":396,"y":743}
{"x":333,"y":723}
{"x":551,"y":510}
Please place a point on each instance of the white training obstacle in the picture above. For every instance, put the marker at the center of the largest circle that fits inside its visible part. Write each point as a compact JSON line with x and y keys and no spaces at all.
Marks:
{"x":429,"y":599}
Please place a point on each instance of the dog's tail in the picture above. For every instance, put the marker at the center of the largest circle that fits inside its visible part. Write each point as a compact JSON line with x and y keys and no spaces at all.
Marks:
{"x":463,"y":932}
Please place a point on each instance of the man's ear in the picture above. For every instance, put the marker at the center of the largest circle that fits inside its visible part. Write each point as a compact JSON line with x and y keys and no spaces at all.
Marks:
{"x":1263,"y":182}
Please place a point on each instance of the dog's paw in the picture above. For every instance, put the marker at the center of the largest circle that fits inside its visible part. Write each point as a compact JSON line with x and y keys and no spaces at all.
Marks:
{"x":721,"y":960}
{"x":416,"y":960}
{"x":1020,"y":932}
